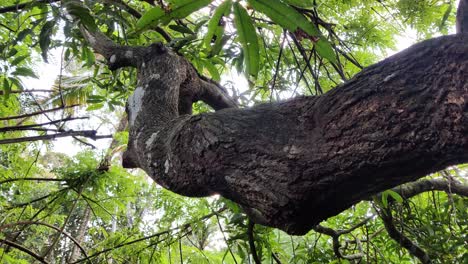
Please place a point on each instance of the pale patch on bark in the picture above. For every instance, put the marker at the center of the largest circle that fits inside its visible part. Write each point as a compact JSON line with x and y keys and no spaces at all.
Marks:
{"x":167,"y":165}
{"x":113,"y":58}
{"x":389,"y":77}
{"x":129,"y":54}
{"x":134,"y":104}
{"x":150,"y":140}
{"x":155,"y":76}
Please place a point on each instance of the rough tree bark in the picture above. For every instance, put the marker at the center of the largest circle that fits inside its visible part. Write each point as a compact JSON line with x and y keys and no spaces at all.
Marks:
{"x":293,"y":164}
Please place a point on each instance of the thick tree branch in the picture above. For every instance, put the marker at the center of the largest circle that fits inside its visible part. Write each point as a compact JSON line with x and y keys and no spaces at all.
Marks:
{"x":462,"y":17}
{"x":295,"y":163}
{"x":414,"y":188}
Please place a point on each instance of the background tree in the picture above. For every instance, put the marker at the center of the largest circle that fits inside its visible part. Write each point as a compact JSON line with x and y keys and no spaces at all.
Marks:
{"x":284,"y":48}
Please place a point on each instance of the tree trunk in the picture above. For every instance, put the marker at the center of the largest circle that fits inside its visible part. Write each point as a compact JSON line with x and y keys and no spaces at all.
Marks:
{"x":295,"y":163}
{"x":80,"y":235}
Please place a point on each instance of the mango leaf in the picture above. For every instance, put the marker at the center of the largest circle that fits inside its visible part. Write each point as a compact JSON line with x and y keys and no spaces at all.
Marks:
{"x":214,"y":27}
{"x":446,"y":16}
{"x":212,"y":70}
{"x":180,"y":9}
{"x":44,"y":38}
{"x":151,"y":17}
{"x":23,"y":71}
{"x":18,"y":60}
{"x":6,"y":88}
{"x":248,"y":39}
{"x":325,"y":50}
{"x":285,"y":16}
{"x":88,"y":56}
{"x":95,"y":107}
{"x":397,"y":197}
{"x":81,"y":12}
{"x":16,"y":82}
{"x":300,"y":3}
{"x":184,"y":8}
{"x":181,"y":29}
{"x":219,"y":43}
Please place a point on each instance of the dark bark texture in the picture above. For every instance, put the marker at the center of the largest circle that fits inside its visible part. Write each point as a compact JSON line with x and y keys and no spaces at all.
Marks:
{"x":295,"y":163}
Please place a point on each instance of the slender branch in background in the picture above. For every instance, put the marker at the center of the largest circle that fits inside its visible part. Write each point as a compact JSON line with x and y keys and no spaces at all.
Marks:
{"x":38,"y":112}
{"x":225,"y":239}
{"x":29,"y":91}
{"x":47,"y":225}
{"x":412,"y":189}
{"x":277,"y":67}
{"x":17,"y":7}
{"x":302,"y":72}
{"x":335,"y":234}
{"x":32,"y":179}
{"x":132,"y":11}
{"x":23,"y":249}
{"x":14,"y":128}
{"x":84,"y":133}
{"x":250,"y":234}
{"x":184,"y":226}
{"x":276,"y":258}
{"x":302,"y":51}
{"x":401,"y":239}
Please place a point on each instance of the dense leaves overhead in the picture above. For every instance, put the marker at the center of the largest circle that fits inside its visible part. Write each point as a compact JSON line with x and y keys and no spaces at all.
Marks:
{"x":56,"y":207}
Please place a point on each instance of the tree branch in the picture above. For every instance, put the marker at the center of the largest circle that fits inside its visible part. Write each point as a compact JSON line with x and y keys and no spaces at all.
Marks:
{"x":84,"y":133}
{"x":17,"y":7}
{"x":462,"y":17}
{"x":47,"y":225}
{"x":412,"y":189}
{"x":23,"y":249}
{"x":38,"y":112}
{"x":401,"y":239}
{"x":253,"y":251}
{"x":23,"y":127}
{"x":182,"y":227}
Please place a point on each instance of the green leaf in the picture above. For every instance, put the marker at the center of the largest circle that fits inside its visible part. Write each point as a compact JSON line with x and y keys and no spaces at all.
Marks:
{"x":181,"y":29}
{"x":214,"y":24}
{"x":397,"y":197}
{"x":212,"y":70}
{"x":6,"y":88}
{"x":248,"y":39}
{"x":446,"y":16}
{"x":285,"y":16}
{"x":184,"y":8}
{"x":325,"y":50}
{"x":88,"y":57}
{"x":44,"y":38}
{"x":23,"y":71}
{"x":180,"y":9}
{"x":78,"y":10}
{"x":151,"y":17}
{"x":16,"y":82}
{"x":95,"y":107}
{"x":18,"y":60}
{"x":301,"y":3}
